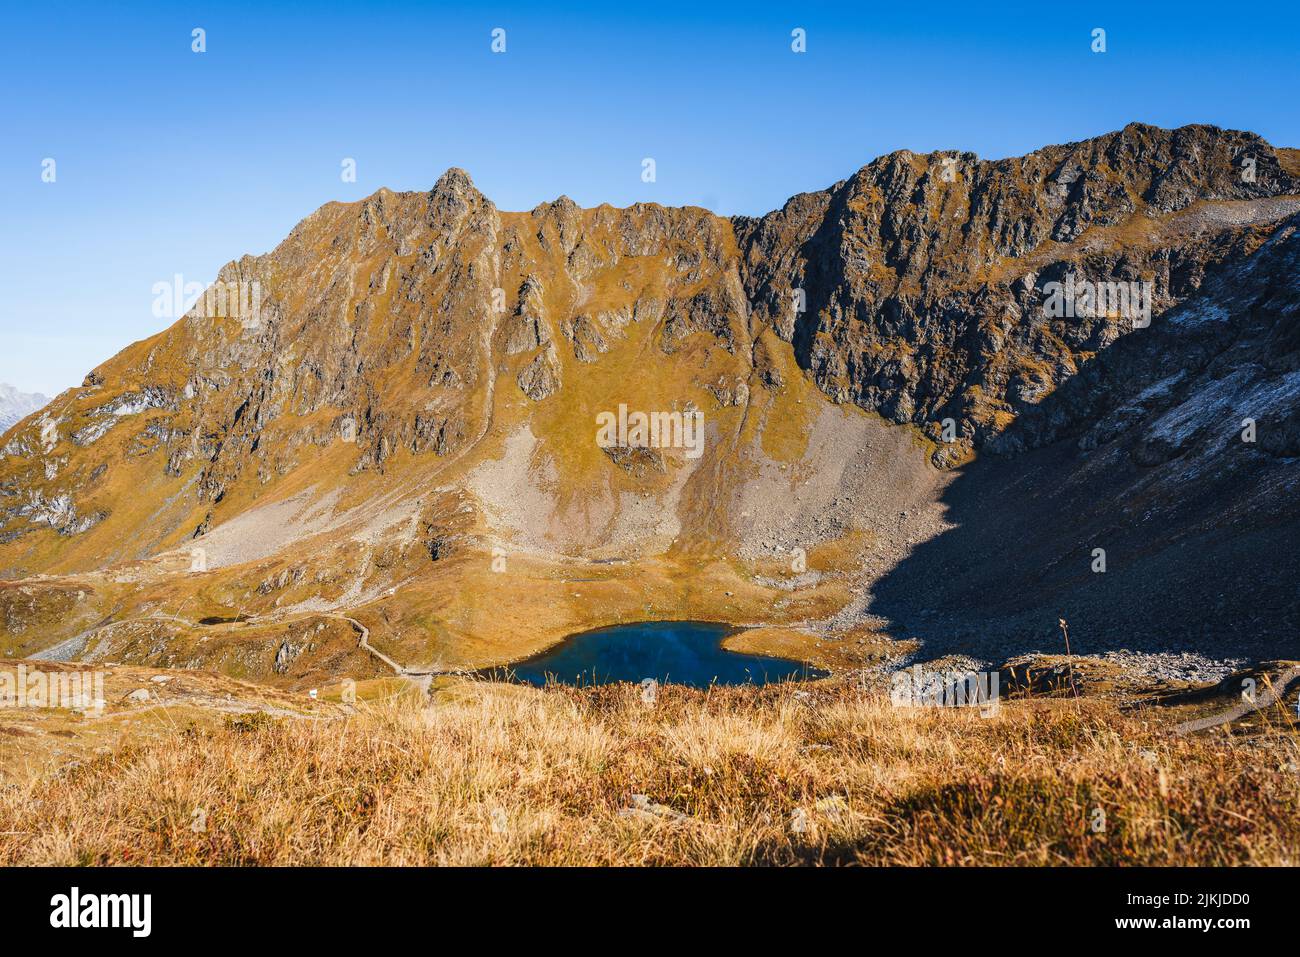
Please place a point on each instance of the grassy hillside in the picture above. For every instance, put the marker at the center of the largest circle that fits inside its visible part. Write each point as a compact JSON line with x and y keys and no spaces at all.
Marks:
{"x":826,"y":773}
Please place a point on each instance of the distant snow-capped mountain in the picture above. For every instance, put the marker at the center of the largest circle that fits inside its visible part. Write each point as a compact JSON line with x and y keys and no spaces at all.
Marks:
{"x":15,"y":405}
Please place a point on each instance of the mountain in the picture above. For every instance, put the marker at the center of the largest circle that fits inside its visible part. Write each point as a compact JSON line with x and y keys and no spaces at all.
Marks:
{"x":15,"y":405}
{"x":390,"y":429}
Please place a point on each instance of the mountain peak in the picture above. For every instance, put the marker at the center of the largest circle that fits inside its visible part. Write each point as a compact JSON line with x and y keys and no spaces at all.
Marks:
{"x":452,"y":198}
{"x":455,"y":182}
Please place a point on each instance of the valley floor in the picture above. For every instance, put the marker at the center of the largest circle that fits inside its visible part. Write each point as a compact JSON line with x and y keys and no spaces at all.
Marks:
{"x":212,"y":771}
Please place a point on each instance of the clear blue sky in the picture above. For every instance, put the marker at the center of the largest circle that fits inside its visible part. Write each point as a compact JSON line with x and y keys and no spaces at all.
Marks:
{"x":169,"y":161}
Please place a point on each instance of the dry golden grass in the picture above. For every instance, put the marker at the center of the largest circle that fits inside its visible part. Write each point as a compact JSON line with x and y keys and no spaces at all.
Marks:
{"x":1289,"y":159}
{"x":830,"y":774}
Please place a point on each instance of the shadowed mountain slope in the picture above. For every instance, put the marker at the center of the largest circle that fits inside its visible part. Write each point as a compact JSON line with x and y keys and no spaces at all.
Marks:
{"x":1177,"y":452}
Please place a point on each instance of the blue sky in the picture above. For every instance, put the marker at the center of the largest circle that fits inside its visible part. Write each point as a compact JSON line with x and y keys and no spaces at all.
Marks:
{"x":170,"y":161}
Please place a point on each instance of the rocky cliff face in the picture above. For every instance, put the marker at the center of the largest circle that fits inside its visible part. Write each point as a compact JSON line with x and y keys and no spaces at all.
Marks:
{"x":923,"y":276}
{"x":411,"y":369}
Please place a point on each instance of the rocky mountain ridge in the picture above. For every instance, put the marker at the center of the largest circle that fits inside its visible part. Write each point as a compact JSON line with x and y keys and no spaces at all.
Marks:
{"x":420,"y":381}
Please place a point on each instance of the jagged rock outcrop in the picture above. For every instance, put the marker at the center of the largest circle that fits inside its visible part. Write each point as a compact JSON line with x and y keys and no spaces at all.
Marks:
{"x":915,"y":287}
{"x":541,"y":377}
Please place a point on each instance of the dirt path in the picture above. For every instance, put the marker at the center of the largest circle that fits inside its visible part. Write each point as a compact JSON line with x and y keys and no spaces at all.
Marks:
{"x":400,"y":670}
{"x":67,"y":650}
{"x":1275,"y":691}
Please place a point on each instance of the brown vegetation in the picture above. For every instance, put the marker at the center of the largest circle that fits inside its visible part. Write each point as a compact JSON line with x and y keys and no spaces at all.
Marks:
{"x":484,"y":773}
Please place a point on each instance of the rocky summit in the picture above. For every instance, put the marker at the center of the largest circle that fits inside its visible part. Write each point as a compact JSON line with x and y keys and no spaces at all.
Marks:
{"x":945,"y":404}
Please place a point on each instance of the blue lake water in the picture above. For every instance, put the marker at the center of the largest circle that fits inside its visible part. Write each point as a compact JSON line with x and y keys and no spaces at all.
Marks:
{"x":680,"y":652}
